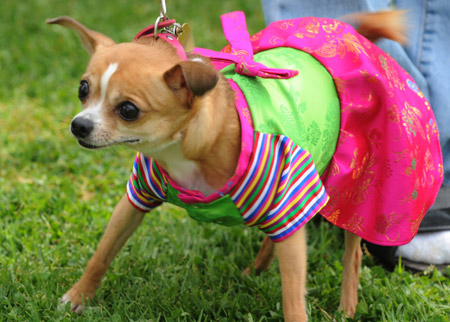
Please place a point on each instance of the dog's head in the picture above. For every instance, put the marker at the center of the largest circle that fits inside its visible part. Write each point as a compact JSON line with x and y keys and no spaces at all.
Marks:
{"x":139,"y":94}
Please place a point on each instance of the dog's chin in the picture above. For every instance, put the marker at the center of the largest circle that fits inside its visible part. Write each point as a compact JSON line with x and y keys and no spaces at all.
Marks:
{"x":91,"y":146}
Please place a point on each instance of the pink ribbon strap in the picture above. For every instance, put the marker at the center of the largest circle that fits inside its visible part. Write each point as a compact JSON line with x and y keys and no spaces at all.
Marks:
{"x":235,"y":30}
{"x":246,"y":66}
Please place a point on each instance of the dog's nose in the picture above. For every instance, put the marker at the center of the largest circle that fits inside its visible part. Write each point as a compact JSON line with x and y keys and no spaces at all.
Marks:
{"x":81,"y":127}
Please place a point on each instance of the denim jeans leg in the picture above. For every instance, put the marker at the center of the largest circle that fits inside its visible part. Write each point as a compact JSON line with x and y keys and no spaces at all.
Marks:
{"x":288,"y":9}
{"x":429,"y":51}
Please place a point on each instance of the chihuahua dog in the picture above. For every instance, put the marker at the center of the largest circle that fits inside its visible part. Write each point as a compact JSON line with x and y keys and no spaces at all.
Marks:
{"x":181,"y":114}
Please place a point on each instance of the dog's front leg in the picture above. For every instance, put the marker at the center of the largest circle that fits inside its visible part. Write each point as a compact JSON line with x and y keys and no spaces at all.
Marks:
{"x":291,"y":254}
{"x":124,"y":221}
{"x":351,"y":262}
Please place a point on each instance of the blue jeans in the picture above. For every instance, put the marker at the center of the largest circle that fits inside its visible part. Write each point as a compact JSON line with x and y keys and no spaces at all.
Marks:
{"x":425,"y":58}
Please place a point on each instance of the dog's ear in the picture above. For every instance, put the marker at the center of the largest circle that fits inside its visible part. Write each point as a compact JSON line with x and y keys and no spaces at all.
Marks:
{"x":90,"y":39}
{"x":189,"y":79}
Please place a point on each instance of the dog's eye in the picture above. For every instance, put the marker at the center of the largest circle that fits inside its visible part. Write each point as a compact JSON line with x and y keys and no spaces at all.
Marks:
{"x":83,"y":90}
{"x":128,"y":111}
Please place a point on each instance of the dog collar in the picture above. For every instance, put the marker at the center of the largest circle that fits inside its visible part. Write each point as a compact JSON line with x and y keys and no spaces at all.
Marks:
{"x":166,"y":35}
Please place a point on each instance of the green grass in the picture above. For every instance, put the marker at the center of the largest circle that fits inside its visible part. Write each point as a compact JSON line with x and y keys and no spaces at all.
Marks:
{"x":55,"y":199}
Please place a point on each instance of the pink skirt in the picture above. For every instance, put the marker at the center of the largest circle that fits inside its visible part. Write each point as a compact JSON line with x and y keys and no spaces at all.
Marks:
{"x":387,"y":168}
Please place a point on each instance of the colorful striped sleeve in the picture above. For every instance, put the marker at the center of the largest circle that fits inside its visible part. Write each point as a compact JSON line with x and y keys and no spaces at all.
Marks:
{"x":147,"y":186}
{"x":281,"y":189}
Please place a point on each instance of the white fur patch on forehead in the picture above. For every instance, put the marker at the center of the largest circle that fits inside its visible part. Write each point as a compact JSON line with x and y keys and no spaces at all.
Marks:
{"x":112,"y":68}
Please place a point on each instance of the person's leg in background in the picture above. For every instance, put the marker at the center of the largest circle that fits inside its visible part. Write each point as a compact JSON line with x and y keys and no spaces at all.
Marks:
{"x":429,"y":50}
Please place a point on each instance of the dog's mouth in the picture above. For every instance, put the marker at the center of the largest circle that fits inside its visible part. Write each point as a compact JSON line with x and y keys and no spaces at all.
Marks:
{"x":93,"y":146}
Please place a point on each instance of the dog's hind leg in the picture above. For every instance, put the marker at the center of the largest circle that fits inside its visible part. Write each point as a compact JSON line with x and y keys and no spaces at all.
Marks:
{"x":351,"y":262}
{"x":264,"y":258}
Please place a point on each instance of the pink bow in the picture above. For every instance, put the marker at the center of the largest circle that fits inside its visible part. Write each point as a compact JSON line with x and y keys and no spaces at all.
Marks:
{"x":235,"y":30}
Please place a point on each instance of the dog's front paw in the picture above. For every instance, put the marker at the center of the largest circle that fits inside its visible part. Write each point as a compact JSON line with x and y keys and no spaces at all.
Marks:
{"x":348,"y":307}
{"x":76,"y":295}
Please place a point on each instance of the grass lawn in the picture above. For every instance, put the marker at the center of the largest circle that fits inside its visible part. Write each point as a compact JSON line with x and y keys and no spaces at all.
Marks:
{"x":55,"y":199}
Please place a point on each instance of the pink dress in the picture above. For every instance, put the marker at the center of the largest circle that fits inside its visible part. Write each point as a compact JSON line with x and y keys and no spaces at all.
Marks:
{"x":387,"y":167}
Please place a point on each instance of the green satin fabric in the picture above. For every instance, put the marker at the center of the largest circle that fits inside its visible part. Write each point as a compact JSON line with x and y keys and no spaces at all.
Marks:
{"x":304,"y":108}
{"x":221,"y":211}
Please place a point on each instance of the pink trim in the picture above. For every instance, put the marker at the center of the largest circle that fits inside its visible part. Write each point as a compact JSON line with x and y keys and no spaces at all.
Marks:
{"x":192,"y":196}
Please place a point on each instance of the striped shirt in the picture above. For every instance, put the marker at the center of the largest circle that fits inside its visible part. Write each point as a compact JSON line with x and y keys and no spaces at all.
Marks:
{"x":280,"y":191}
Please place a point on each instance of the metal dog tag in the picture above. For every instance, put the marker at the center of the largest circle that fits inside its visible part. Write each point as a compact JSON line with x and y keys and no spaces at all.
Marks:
{"x":185,"y":37}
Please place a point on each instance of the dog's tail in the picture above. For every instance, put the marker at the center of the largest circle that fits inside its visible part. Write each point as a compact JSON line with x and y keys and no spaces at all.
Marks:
{"x":391,"y":24}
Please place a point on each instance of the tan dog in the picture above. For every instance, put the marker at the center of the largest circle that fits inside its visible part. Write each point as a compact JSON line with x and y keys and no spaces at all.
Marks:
{"x":182,"y":114}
